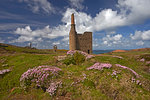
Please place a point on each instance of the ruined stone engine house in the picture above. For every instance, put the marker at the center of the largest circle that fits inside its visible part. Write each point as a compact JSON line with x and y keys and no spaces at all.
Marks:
{"x":82,"y":42}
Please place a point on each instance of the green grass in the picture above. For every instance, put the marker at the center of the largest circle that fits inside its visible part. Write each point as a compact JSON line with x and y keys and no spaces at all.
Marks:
{"x":21,"y":63}
{"x":98,"y":85}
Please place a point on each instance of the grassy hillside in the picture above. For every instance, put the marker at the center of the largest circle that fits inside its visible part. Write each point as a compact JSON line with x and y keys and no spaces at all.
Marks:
{"x":5,"y":48}
{"x":77,"y":82}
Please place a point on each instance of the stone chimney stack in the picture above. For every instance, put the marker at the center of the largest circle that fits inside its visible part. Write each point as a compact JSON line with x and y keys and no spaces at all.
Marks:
{"x":72,"y":19}
{"x":72,"y":35}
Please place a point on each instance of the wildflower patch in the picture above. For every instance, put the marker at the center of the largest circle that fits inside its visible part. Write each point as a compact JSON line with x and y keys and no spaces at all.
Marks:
{"x":124,"y":67}
{"x":4,"y":71}
{"x":42,"y":76}
{"x":88,"y":56}
{"x":100,"y":66}
{"x":138,"y":82}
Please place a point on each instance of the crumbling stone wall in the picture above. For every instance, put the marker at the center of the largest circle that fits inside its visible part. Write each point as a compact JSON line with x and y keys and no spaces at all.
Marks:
{"x":84,"y":42}
{"x":81,"y":42}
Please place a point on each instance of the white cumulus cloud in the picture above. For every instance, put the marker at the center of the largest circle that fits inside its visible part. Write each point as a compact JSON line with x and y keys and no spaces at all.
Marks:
{"x":141,"y":35}
{"x":27,"y":34}
{"x":106,"y":19}
{"x":130,"y":12}
{"x":77,"y":4}
{"x":140,"y":43}
{"x":56,"y":43}
{"x":37,"y":5}
{"x":112,"y":40}
{"x":136,"y":11}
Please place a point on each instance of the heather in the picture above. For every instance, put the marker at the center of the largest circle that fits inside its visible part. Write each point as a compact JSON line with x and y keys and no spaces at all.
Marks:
{"x":102,"y":77}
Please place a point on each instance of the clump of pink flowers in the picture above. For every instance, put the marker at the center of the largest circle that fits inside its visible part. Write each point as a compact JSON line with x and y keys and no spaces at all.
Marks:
{"x":71,"y":52}
{"x":88,"y":56}
{"x":4,"y":71}
{"x":133,"y":80}
{"x":42,"y":76}
{"x":100,"y":66}
{"x":53,"y":87}
{"x":114,"y":73}
{"x":118,"y":65}
{"x":147,"y":62}
{"x":142,"y":60}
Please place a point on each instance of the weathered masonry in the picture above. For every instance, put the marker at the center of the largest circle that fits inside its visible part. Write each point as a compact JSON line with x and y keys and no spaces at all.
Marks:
{"x":81,"y":42}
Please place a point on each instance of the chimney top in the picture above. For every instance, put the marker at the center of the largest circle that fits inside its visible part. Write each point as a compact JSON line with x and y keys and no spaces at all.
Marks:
{"x":72,"y":18}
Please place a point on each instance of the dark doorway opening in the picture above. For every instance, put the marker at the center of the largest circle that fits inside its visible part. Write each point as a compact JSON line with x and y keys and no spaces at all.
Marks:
{"x":88,"y":51}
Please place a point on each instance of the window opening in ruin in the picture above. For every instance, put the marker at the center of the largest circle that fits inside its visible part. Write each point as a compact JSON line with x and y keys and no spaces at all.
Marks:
{"x":88,"y":51}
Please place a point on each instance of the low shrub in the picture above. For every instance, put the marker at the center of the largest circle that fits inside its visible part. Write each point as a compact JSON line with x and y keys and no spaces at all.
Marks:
{"x":79,"y":58}
{"x":76,"y":59}
{"x":69,"y":60}
{"x":87,"y":56}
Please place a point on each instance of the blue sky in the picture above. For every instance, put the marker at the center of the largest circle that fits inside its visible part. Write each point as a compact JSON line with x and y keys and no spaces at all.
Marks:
{"x":116,"y":24}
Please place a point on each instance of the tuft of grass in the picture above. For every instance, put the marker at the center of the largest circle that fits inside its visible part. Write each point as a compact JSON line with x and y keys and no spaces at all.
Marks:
{"x":146,"y":57}
{"x":20,"y":63}
{"x":88,"y":83}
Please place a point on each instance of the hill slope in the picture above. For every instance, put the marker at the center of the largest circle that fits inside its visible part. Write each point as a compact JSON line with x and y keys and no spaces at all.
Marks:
{"x":77,"y":81}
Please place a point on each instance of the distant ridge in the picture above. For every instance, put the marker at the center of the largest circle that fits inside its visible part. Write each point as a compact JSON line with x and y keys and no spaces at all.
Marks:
{"x":7,"y":48}
{"x":141,"y":49}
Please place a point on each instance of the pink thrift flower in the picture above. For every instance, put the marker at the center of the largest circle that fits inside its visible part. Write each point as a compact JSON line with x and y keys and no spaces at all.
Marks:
{"x":100,"y":66}
{"x":118,"y":65}
{"x":142,"y":60}
{"x":88,"y":56}
{"x":147,"y":62}
{"x":39,"y":75}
